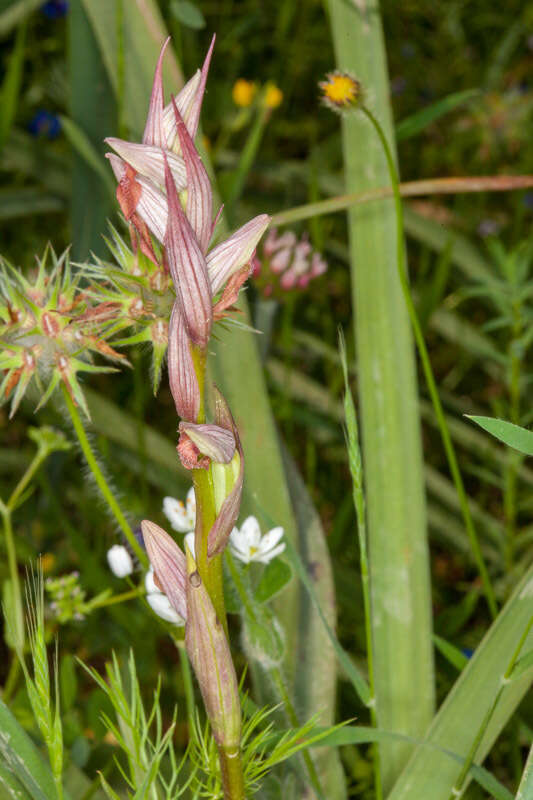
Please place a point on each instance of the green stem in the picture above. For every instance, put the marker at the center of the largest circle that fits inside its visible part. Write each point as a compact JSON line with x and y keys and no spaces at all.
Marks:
{"x":118,"y":598}
{"x":275,"y":672}
{"x":246,"y":160}
{"x":187,"y":680}
{"x":428,"y":372}
{"x":433,"y":186}
{"x":210,"y":569}
{"x":232,"y":774}
{"x":277,"y":676}
{"x":456,"y":791}
{"x":16,"y":595}
{"x":100,"y":479}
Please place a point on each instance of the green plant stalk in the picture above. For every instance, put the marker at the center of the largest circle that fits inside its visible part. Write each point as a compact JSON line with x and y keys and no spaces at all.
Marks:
{"x":246,"y":161}
{"x":275,"y":673}
{"x":398,"y":554}
{"x":514,"y":459}
{"x":428,"y":373}
{"x":432,"y":186}
{"x":187,"y":679}
{"x":232,"y":774}
{"x":6,"y":510}
{"x":456,"y":791}
{"x":100,"y":479}
{"x":359,"y":503}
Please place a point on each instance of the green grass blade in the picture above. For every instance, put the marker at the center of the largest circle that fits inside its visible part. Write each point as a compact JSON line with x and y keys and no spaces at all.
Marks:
{"x":92,"y":110}
{"x":399,"y":569}
{"x":130,"y":68}
{"x":15,"y":13}
{"x":460,"y":717}
{"x":415,"y":124}
{"x":525,"y":790}
{"x":27,"y":202}
{"x":512,"y":435}
{"x":11,"y":86}
{"x":315,"y":689}
{"x":19,"y":756}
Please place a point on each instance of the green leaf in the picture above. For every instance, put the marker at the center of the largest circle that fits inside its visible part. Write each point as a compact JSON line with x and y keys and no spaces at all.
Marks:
{"x":512,"y":435}
{"x":11,"y":86}
{"x":27,"y":202}
{"x":92,"y":117}
{"x":11,"y":787}
{"x":525,"y":790}
{"x":87,"y":151}
{"x":19,"y":756}
{"x":461,"y":715}
{"x":188,"y":13}
{"x":414,"y":124}
{"x":15,"y":13}
{"x":523,"y":664}
{"x":388,"y":394}
{"x":275,"y":576}
{"x":68,"y":683}
{"x":14,"y":616}
{"x":451,"y":653}
{"x":263,"y":638}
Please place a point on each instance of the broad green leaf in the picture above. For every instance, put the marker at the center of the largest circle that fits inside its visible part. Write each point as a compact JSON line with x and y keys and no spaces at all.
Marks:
{"x":189,"y":14}
{"x":10,"y":786}
{"x":525,"y":790}
{"x":263,"y":639}
{"x":130,"y":62}
{"x":390,"y":424}
{"x":19,"y":756}
{"x":275,"y":576}
{"x":523,"y":664}
{"x":458,"y":720}
{"x":512,"y":435}
{"x":413,"y":125}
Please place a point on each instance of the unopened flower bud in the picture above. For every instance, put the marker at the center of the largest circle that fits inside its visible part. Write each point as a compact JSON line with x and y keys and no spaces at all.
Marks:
{"x":208,"y":650}
{"x":120,"y":561}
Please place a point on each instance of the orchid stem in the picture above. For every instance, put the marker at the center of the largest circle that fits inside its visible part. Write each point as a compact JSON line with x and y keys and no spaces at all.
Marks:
{"x":428,"y":372}
{"x":100,"y":479}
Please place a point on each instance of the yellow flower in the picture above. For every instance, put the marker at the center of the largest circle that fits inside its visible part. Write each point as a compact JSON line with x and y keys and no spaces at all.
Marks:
{"x":47,"y":562}
{"x":273,"y":96}
{"x":340,"y":91}
{"x":243,"y":92}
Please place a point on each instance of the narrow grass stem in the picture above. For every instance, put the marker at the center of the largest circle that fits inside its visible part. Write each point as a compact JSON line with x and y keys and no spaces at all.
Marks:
{"x":13,"y":574}
{"x":100,"y":479}
{"x":434,"y":186}
{"x":428,"y":373}
{"x":277,"y":677}
{"x":457,"y":789}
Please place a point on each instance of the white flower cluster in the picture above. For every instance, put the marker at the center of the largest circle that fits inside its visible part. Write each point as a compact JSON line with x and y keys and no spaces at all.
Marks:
{"x":246,"y":543}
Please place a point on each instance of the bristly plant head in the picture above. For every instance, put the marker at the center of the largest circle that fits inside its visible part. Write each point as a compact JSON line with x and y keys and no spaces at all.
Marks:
{"x":49,"y":331}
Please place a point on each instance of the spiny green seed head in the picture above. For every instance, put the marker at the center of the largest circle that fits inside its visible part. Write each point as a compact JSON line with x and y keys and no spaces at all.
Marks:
{"x":49,"y":330}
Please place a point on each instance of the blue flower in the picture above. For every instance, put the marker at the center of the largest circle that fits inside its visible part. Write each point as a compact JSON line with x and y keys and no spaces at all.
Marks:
{"x":55,"y":9}
{"x":44,"y":123}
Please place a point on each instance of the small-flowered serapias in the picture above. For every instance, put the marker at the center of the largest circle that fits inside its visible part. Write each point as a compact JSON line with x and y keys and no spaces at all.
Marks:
{"x":49,"y":331}
{"x":286,"y":264}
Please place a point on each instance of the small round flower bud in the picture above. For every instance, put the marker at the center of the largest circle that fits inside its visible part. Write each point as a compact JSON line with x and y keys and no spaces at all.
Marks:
{"x":120,"y":561}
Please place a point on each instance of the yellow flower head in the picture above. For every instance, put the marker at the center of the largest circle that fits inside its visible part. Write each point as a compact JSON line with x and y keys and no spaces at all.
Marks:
{"x":47,"y":562}
{"x":243,"y":92}
{"x":341,"y":91}
{"x":273,"y":96}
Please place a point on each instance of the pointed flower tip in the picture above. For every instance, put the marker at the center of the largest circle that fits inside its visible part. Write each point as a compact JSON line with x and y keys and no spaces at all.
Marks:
{"x":169,"y":564}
